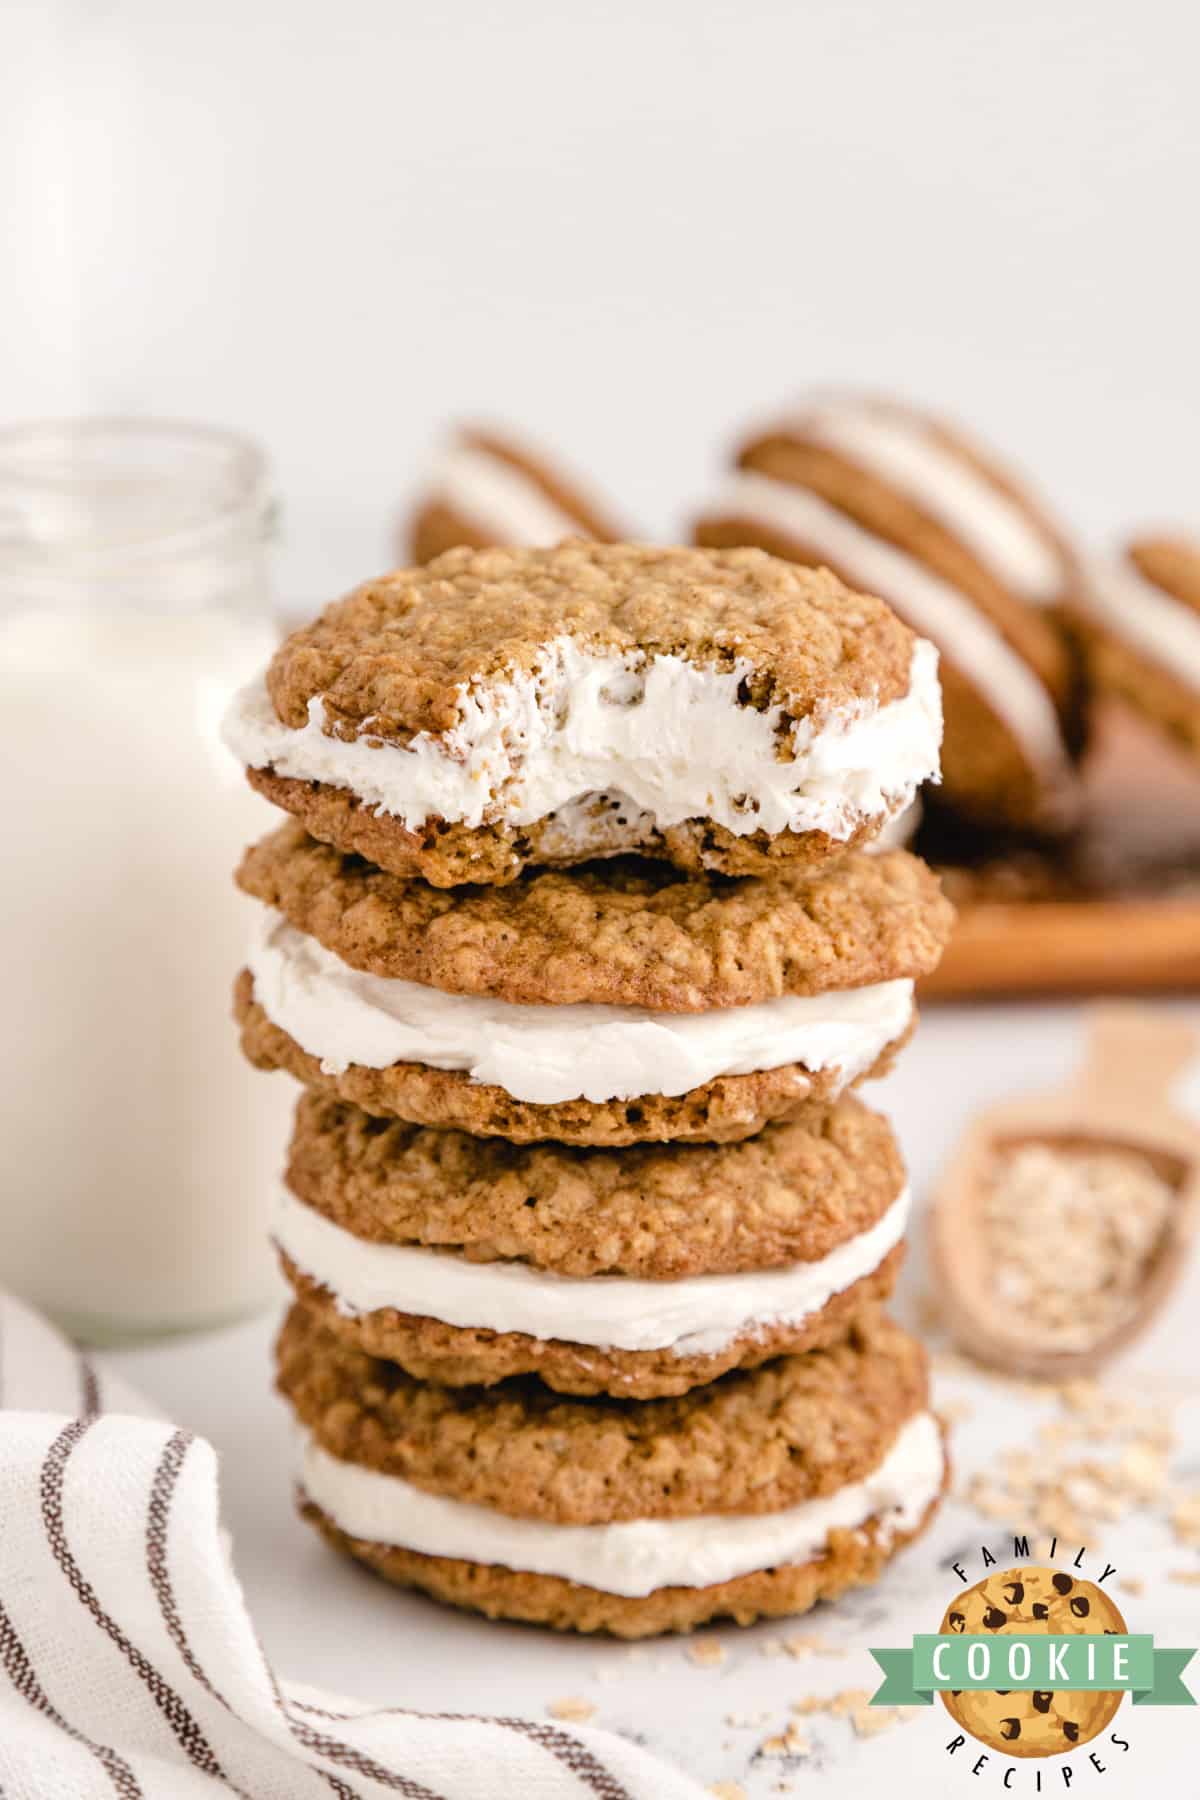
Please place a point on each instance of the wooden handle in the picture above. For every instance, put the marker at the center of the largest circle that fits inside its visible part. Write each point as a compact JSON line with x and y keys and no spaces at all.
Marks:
{"x":1133,"y":1051}
{"x":1069,"y":947}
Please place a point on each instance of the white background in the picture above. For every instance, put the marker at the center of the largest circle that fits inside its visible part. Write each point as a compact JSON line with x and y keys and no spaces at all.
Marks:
{"x":623,"y":225}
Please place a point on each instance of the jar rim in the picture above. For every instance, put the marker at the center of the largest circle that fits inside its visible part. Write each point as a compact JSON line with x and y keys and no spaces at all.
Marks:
{"x":114,"y":486}
{"x":109,"y":498}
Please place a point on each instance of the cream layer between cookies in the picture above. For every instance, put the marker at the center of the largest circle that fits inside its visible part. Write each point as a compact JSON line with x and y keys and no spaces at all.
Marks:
{"x":964,"y":634}
{"x":634,"y":1557}
{"x":549,"y":1054}
{"x":502,"y":500}
{"x":694,"y":1316}
{"x":668,"y":737}
{"x":900,"y":449}
{"x":1145,"y":616}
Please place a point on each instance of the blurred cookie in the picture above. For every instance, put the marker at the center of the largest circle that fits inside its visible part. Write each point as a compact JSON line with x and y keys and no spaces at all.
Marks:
{"x":1138,"y":617}
{"x":1033,"y":1601}
{"x":719,"y":710}
{"x":638,"y":1273}
{"x":489,"y":488}
{"x":758,"y":1494}
{"x":897,"y":504}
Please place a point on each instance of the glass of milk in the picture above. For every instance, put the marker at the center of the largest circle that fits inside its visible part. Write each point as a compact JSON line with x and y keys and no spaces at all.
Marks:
{"x":139,"y":1151}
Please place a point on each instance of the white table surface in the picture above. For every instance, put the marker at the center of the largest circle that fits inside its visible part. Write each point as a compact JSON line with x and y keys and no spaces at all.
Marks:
{"x":328,"y":1623}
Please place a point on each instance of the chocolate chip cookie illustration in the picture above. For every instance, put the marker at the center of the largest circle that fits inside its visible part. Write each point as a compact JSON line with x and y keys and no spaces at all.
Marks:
{"x":1047,"y":1602}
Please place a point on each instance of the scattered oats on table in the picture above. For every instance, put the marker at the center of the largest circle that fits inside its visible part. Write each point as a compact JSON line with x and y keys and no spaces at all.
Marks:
{"x":791,"y":1741}
{"x":1185,"y":1520}
{"x":573,"y":1709}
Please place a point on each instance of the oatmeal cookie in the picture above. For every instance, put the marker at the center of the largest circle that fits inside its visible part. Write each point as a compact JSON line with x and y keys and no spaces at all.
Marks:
{"x":619,"y":933}
{"x":894,"y":500}
{"x":720,"y":710}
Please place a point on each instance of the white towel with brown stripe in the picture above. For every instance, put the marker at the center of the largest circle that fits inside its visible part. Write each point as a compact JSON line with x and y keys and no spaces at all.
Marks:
{"x":129,"y":1665}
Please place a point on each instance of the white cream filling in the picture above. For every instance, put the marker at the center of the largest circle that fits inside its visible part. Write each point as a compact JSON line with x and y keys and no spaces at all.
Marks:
{"x":1144,"y":615}
{"x":503,"y":501}
{"x":664,"y":733}
{"x":964,"y":634}
{"x":900,"y":450}
{"x":899,"y":831}
{"x":638,"y":1556}
{"x":695,"y":1316}
{"x":548,"y":1054}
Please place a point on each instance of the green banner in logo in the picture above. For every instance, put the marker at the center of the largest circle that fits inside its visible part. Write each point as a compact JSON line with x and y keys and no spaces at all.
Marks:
{"x":1089,"y":1662}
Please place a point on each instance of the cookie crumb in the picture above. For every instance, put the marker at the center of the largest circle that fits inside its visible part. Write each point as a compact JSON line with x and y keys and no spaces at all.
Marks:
{"x":807,"y":1643}
{"x":869,"y":1721}
{"x":1132,"y":1584}
{"x":747,"y":1721}
{"x":791,"y":1741}
{"x":706,"y":1653}
{"x":727,"y":1790}
{"x":1184,"y":1577}
{"x":573,"y":1709}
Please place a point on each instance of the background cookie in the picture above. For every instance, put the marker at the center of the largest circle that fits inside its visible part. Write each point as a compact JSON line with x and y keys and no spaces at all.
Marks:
{"x":1138,"y":620}
{"x":1036,"y":1601}
{"x":901,"y":505}
{"x":488,"y":488}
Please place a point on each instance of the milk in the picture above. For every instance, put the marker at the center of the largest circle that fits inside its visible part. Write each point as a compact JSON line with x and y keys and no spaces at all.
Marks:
{"x":139,"y":1149}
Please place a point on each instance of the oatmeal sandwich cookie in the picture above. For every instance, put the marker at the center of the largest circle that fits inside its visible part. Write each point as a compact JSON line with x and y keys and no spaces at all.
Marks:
{"x":610,"y":1005}
{"x":757,"y":1495}
{"x":1138,"y":618}
{"x":722,"y":710}
{"x":490,"y":488}
{"x":895,"y":502}
{"x":634,"y":1272}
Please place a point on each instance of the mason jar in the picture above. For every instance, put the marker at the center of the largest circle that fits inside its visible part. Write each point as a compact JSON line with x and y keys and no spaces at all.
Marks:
{"x":140,"y":1152}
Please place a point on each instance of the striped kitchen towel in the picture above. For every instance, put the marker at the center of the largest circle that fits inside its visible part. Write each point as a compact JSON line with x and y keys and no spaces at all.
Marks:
{"x":129,"y":1665}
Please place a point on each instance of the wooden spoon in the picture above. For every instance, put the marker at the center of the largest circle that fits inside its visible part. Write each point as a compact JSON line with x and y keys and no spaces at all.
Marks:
{"x":1119,"y":1100}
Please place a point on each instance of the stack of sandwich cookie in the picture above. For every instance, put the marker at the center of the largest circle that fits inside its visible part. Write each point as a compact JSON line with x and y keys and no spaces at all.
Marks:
{"x":578,"y":1043}
{"x":897,"y":502}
